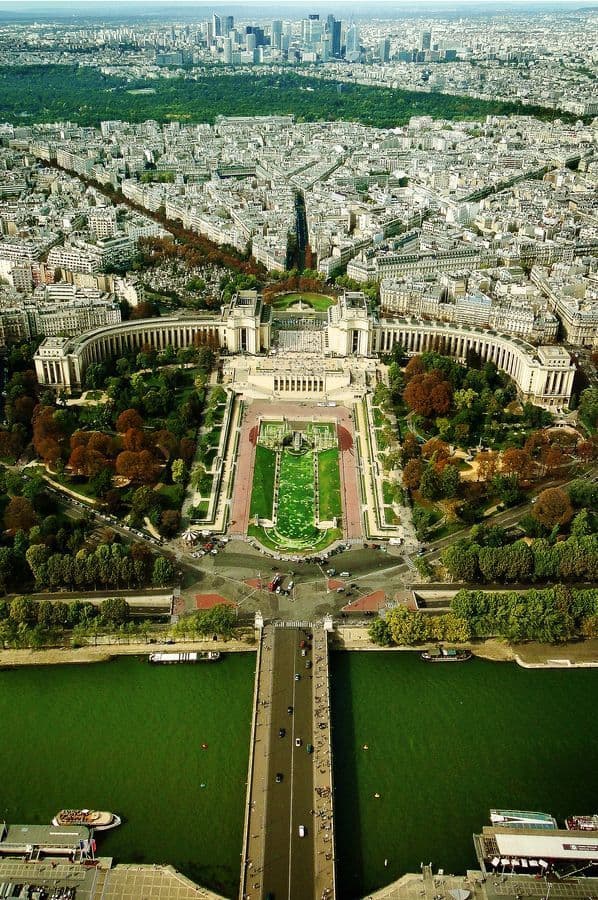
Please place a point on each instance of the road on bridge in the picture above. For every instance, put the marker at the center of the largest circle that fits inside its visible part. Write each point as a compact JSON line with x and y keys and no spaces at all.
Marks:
{"x":289,"y":861}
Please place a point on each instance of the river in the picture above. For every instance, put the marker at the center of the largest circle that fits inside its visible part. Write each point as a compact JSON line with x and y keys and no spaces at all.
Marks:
{"x":445,"y":744}
{"x":126,"y":736}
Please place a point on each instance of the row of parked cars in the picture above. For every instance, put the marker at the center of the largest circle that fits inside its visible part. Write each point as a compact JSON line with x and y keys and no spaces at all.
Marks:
{"x":112,"y":520}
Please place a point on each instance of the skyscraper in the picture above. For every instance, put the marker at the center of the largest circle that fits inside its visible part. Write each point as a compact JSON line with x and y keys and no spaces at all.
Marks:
{"x":228,"y":23}
{"x":333,"y":27}
{"x":384,"y":49}
{"x":426,"y":40}
{"x":352,"y":41}
{"x":216,"y":25}
{"x":276,"y":34}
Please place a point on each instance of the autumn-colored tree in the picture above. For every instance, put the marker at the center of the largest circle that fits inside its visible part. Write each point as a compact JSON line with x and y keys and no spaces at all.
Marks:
{"x":437,"y":449}
{"x":428,"y":395}
{"x":187,"y":449}
{"x":587,"y":450}
{"x":47,"y":434}
{"x":415,"y":366}
{"x":553,"y":507}
{"x":19,"y":515}
{"x":129,"y":418}
{"x":101,"y":443}
{"x":79,"y":439}
{"x":487,"y":463}
{"x":78,"y":460}
{"x":552,"y":458}
{"x":412,"y":474}
{"x":135,"y":439}
{"x":516,"y":462}
{"x":140,"y":467}
{"x":165,"y":441}
{"x":536,"y":442}
{"x":411,"y":448}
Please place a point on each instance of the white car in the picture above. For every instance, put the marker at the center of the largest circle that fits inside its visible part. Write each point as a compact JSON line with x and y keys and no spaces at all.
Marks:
{"x":302,"y":831}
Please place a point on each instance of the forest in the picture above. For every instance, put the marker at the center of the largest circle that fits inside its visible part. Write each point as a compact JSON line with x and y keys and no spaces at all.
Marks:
{"x":84,"y":95}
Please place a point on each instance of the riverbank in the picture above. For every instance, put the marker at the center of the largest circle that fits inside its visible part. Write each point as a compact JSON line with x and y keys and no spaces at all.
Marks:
{"x":574,"y":654}
{"x":105,"y":652}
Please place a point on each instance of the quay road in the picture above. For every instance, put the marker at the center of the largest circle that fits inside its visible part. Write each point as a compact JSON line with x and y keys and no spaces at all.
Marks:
{"x":284,"y":854}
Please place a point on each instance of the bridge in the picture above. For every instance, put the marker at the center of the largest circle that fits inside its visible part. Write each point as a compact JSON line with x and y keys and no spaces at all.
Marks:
{"x":288,"y":842}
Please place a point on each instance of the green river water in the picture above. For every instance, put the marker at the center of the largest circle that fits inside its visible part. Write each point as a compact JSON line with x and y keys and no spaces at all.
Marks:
{"x":445,"y":744}
{"x":126,"y":736}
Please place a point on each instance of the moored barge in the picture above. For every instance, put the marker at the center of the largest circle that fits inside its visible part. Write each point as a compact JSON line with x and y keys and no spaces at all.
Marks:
{"x":442,"y":654}
{"x":172,"y":658}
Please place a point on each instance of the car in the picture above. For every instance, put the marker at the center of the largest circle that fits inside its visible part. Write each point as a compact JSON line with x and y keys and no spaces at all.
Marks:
{"x":282,"y":732}
{"x":310,"y":748}
{"x":304,"y":652}
{"x":297,"y":676}
{"x":302,"y":644}
{"x":302,"y":831}
{"x":279,"y":777}
{"x":308,"y":663}
{"x":290,"y":710}
{"x":298,"y":742}
{"x":345,"y":575}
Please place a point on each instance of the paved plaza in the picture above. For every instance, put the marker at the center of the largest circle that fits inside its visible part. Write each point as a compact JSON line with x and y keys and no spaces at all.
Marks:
{"x":124,"y":882}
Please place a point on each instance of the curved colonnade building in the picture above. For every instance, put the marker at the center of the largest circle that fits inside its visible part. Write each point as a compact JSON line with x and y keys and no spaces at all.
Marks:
{"x":543,"y":375}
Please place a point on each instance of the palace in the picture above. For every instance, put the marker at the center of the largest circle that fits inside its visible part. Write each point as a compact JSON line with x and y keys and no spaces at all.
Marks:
{"x":543,"y":375}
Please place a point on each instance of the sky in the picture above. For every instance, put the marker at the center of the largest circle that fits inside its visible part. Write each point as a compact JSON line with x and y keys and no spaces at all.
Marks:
{"x":198,"y":9}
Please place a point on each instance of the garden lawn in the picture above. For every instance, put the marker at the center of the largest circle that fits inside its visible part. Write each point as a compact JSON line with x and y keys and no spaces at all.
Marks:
{"x":319,"y":302}
{"x":330,"y":505}
{"x":296,"y":496}
{"x":262,"y":494}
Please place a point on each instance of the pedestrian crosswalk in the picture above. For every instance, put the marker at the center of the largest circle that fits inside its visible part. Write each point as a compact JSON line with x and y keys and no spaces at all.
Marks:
{"x":284,"y":624}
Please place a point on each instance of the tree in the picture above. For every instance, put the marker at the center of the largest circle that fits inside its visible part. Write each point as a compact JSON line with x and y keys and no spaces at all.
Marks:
{"x":23,"y":611}
{"x":379,"y":633}
{"x":114,"y":611}
{"x":129,"y":418}
{"x":428,"y":395}
{"x":19,"y":515}
{"x":583,"y":523}
{"x":415,"y":366}
{"x":411,"y":448}
{"x":450,"y":481}
{"x":162,"y":572}
{"x":406,"y":627}
{"x":461,"y":561}
{"x":487,"y":463}
{"x":412,"y":474}
{"x":430,"y":486}
{"x":169,"y":522}
{"x":435,"y":449}
{"x":588,"y":406}
{"x":179,"y":471}
{"x":553,"y":507}
{"x":453,"y":628}
{"x":37,"y":556}
{"x":506,"y":488}
{"x":516,"y":462}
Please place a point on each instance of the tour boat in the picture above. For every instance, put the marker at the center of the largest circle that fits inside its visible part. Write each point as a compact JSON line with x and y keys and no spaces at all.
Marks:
{"x":440,"y":654}
{"x":169,"y":658}
{"x":91,"y":818}
{"x":522,"y":818}
{"x":582,"y":823}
